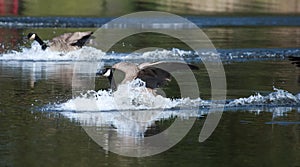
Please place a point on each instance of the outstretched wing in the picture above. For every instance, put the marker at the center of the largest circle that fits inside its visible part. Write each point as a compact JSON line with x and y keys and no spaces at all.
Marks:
{"x":154,"y":77}
{"x":159,"y":74}
{"x":74,"y":39}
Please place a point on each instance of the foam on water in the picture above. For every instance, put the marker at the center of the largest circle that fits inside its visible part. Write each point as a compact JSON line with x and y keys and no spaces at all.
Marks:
{"x":35,"y":53}
{"x":133,"y":109}
{"x":135,"y":96}
{"x":129,"y":111}
{"x":88,"y":53}
{"x":131,"y":96}
{"x":226,"y":55}
{"x":276,"y":98}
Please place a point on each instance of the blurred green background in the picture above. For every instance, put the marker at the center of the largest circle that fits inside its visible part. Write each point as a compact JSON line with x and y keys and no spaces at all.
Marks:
{"x":112,"y":8}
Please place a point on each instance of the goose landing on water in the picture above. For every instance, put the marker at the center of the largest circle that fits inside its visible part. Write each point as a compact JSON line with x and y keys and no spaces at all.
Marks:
{"x":155,"y":75}
{"x":64,"y":43}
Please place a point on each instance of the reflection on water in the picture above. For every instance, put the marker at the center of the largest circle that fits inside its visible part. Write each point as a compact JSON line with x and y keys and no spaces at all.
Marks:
{"x":45,"y":139}
{"x":30,"y":137}
{"x":128,"y":128}
{"x":264,"y":37}
{"x":260,"y":129}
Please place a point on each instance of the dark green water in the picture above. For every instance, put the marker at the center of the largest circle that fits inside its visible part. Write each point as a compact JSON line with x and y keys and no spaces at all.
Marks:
{"x":31,"y":134}
{"x":30,"y":137}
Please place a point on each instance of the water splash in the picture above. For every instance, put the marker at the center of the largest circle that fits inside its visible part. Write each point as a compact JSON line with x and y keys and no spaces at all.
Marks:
{"x":131,"y":96}
{"x":88,"y":53}
{"x":35,"y":53}
{"x":135,"y":96}
{"x":277,"y":98}
{"x":132,"y":109}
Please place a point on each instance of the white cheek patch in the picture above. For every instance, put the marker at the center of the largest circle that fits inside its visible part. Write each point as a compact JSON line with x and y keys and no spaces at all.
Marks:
{"x":107,"y":73}
{"x":32,"y":37}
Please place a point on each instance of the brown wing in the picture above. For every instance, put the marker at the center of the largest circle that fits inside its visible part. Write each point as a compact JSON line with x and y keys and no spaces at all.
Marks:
{"x":158,"y":74}
{"x":154,"y":77}
{"x":169,"y":66}
{"x":74,"y":39}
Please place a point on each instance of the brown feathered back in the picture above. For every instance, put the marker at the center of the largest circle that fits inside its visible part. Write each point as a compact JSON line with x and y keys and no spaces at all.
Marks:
{"x":69,"y":41}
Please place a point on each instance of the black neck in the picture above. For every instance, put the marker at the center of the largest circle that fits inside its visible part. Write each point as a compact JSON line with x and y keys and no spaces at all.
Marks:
{"x":41,"y":42}
{"x":112,"y":82}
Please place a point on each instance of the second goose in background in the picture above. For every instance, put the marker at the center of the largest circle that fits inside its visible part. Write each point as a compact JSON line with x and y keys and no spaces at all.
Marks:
{"x":63,"y":43}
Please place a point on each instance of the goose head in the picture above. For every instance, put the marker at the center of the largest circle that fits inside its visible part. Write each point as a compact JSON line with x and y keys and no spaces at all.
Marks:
{"x":106,"y":72}
{"x":31,"y":36}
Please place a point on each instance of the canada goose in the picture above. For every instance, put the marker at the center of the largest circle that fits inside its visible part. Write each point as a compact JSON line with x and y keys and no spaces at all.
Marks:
{"x":155,"y":75}
{"x":65,"y":42}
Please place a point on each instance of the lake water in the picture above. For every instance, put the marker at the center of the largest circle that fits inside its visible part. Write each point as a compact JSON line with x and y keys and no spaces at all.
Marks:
{"x":41,"y":126}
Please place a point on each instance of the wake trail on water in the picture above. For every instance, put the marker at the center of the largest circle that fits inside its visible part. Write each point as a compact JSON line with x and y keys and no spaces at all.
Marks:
{"x":132,"y":109}
{"x":135,"y":96}
{"x":88,"y":53}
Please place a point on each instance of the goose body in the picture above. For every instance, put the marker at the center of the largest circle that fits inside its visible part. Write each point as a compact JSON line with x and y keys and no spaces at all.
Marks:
{"x":155,"y":75}
{"x":65,"y":42}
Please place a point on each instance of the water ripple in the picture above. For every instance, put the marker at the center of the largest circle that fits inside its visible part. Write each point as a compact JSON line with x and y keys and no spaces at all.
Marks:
{"x":35,"y":53}
{"x":213,"y":21}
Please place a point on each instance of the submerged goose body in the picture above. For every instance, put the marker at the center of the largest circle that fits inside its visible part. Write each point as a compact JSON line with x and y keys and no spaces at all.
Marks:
{"x":65,"y":42}
{"x":155,"y":75}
